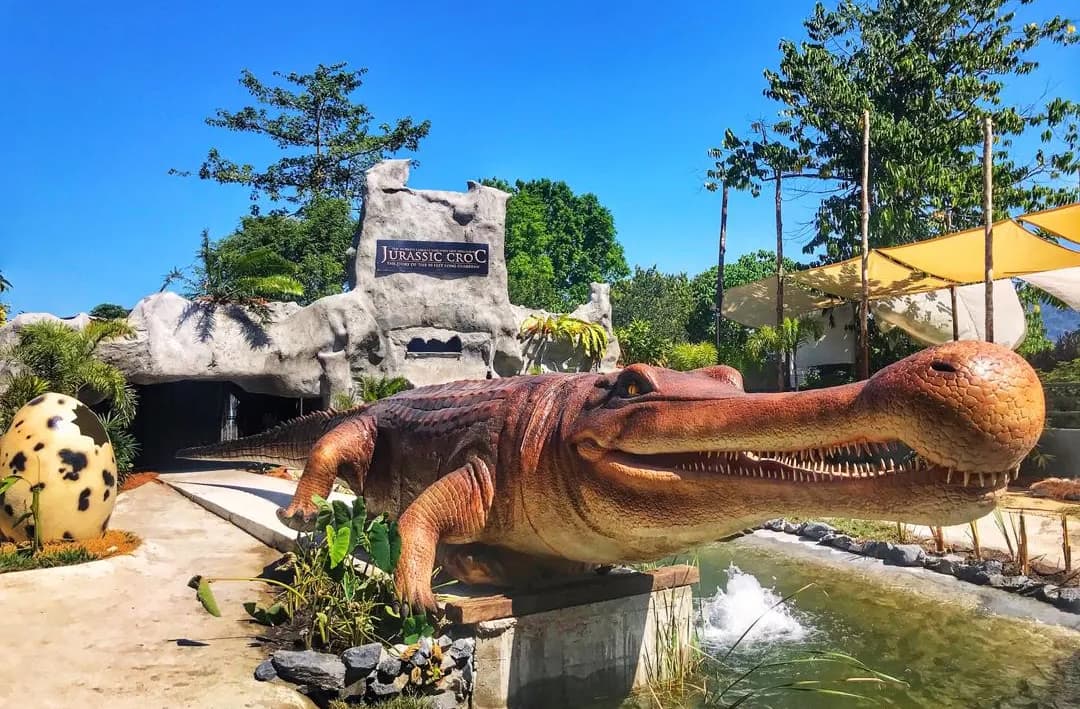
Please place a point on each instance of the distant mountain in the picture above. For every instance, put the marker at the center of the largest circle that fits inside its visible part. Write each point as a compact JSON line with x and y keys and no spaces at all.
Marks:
{"x":1058,"y":321}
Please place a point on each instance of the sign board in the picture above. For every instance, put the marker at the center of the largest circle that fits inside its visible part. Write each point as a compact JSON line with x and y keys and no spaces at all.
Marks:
{"x":434,"y":258}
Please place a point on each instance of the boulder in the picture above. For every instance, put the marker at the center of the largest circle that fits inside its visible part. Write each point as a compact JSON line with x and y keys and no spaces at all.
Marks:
{"x":1068,"y":599}
{"x":316,"y":670}
{"x":904,"y":555}
{"x":361,"y":661}
{"x":790,"y":528}
{"x":816,"y":530}
{"x":877,"y":549}
{"x":840,"y":541}
{"x":1016,"y":584}
{"x":949,"y":564}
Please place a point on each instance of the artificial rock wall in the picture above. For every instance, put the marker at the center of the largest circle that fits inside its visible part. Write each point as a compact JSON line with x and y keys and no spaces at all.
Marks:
{"x":317,"y":350}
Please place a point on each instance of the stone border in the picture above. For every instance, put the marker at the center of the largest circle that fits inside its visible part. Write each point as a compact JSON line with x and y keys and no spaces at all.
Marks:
{"x":440,"y":669}
{"x":982,"y":573}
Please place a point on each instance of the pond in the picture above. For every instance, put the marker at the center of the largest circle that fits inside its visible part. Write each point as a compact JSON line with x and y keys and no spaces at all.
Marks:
{"x":949,"y":649}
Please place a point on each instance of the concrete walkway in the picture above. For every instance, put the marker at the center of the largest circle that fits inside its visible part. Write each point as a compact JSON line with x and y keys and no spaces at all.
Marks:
{"x":248,"y":500}
{"x":128,"y":632}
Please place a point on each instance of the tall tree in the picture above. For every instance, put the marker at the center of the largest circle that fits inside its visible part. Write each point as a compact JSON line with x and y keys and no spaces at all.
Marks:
{"x":557,"y":243}
{"x":316,"y":240}
{"x":930,"y":72}
{"x":329,"y":139}
{"x":663,"y":300}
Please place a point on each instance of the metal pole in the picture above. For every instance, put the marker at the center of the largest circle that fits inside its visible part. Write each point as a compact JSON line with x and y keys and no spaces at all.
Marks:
{"x":988,"y":224}
{"x":864,"y":344}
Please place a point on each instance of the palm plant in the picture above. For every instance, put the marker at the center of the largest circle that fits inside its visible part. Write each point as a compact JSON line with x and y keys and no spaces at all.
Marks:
{"x":249,"y":279}
{"x":784,"y":341}
{"x":51,"y":356}
{"x":588,"y":339}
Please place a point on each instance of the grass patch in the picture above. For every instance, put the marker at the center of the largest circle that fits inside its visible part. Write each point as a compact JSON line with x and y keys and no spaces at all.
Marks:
{"x":398,"y":702}
{"x":861,"y":529}
{"x":19,"y":557}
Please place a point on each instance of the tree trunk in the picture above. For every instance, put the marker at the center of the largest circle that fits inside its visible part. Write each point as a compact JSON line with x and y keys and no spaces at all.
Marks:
{"x":720,"y":268}
{"x":988,"y":224}
{"x":864,"y":315}
{"x":779,"y":280}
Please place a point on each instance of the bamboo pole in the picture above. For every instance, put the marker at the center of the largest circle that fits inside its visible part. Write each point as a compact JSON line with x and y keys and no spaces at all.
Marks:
{"x":988,"y":224}
{"x":864,"y":344}
{"x":720,"y":267}
{"x":781,"y":356}
{"x":955,"y":317}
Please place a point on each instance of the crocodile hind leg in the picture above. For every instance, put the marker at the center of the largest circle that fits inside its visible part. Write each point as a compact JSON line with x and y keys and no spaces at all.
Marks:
{"x":452,"y":511}
{"x":344,"y":452}
{"x":496,"y":566}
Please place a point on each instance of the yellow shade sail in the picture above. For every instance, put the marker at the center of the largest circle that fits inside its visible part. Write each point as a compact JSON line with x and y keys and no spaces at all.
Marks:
{"x":1063,"y":221}
{"x":754,"y":304}
{"x":885,"y":276}
{"x":959,"y":257}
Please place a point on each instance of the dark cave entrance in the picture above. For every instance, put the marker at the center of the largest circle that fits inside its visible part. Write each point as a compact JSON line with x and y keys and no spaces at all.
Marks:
{"x":181,"y":414}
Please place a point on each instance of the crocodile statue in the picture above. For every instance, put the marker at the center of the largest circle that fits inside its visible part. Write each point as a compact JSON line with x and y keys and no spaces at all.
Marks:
{"x":504,"y":480}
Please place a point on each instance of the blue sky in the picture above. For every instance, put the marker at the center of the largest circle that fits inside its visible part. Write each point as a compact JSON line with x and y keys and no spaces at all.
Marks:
{"x":620,"y":99}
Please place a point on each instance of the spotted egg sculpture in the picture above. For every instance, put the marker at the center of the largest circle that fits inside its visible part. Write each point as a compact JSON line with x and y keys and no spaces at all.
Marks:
{"x":59,"y":447}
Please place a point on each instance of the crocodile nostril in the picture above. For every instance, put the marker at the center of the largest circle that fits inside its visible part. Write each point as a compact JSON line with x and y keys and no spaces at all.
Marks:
{"x":939,"y":366}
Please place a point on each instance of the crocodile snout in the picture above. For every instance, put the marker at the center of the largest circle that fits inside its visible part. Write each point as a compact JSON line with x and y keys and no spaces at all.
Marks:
{"x":966,"y":405}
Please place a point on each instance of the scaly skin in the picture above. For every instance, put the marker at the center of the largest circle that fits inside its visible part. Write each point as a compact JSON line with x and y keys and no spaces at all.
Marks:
{"x":510,"y":479}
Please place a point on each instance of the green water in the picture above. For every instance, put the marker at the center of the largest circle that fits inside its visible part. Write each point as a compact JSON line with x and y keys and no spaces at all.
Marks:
{"x":942,"y":642}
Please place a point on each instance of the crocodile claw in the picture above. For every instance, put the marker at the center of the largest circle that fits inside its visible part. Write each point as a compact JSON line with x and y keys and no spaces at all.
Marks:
{"x":297,"y":519}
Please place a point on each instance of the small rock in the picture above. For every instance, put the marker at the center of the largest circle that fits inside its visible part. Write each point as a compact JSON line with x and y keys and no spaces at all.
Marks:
{"x":420,"y":659}
{"x":401,"y":649}
{"x":265,"y":671}
{"x":990,"y":566}
{"x":1068,"y":599}
{"x":448,"y":663}
{"x":451,"y":683}
{"x":790,"y":528}
{"x":776,"y":525}
{"x":840,"y":541}
{"x":816,"y":530}
{"x":361,"y":661}
{"x":425,"y":645}
{"x":1015,"y":584}
{"x":995,"y":580}
{"x":978,"y":573}
{"x":467,"y":675}
{"x":382,"y":690}
{"x":444,"y":641}
{"x":318,"y":670}
{"x":462,"y":649}
{"x":904,"y":555}
{"x":389,"y":667}
{"x":948,"y":564}
{"x":443,"y":700}
{"x":879,"y":550}
{"x":1047,"y":592}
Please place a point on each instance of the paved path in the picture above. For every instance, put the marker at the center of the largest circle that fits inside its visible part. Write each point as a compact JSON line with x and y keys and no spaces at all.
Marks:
{"x":105,"y":634}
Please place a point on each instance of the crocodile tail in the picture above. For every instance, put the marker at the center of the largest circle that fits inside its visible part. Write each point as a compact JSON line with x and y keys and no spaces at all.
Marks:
{"x":287,"y":444}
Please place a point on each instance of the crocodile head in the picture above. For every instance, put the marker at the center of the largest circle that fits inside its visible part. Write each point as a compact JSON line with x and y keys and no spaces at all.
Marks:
{"x":931,"y":439}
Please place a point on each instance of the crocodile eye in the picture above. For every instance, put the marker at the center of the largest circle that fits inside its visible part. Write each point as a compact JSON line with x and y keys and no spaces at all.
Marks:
{"x":632,"y":385}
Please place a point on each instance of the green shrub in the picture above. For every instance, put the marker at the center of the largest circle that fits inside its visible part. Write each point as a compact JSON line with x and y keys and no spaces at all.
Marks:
{"x":686,"y":356}
{"x":639,"y":343}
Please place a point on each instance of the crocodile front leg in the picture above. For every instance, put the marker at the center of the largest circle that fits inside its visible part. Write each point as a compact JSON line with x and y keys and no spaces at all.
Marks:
{"x":453,"y":510}
{"x":345,"y":452}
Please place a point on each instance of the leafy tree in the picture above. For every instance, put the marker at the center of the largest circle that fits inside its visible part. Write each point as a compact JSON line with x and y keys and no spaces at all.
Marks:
{"x":557,"y":243}
{"x":239,"y":277}
{"x":329,"y":139}
{"x":639,"y":343}
{"x":315,"y":240}
{"x":51,"y":356}
{"x":929,"y":72}
{"x":662,"y":300}
{"x":109,"y":311}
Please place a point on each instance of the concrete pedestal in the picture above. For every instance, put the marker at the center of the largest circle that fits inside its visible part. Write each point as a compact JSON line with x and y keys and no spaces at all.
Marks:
{"x":567,"y":646}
